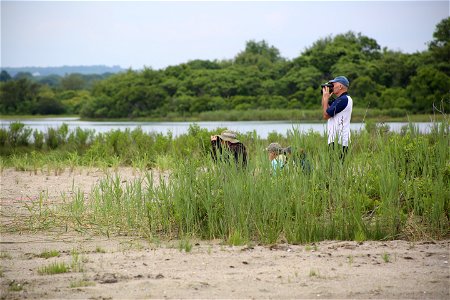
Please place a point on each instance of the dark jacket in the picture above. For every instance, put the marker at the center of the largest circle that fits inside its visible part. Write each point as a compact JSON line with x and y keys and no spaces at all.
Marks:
{"x":222,"y":150}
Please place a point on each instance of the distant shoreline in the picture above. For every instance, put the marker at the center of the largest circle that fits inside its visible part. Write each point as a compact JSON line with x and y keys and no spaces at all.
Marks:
{"x":310,"y":116}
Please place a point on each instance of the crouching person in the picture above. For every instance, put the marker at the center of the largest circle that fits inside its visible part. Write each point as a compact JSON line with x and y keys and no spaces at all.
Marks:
{"x":226,"y":147}
{"x":278,"y":157}
{"x":300,"y":160}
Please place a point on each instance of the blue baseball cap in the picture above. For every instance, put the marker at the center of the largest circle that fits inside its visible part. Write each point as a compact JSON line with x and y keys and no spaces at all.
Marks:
{"x":341,"y":79}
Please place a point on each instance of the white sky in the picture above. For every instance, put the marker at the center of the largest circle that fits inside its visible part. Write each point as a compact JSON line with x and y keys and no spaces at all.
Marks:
{"x":158,"y":34}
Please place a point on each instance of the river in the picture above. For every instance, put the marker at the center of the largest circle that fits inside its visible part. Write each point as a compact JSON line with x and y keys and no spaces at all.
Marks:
{"x":262,"y":128}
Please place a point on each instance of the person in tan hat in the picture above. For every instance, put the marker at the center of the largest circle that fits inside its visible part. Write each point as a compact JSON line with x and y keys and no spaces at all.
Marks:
{"x":225,"y":145}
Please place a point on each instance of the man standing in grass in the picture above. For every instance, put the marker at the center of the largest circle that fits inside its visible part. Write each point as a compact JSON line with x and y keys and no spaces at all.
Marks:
{"x":338,"y":113}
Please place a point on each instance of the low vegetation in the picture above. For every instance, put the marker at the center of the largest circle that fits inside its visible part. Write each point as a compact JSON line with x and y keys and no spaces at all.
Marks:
{"x":81,"y":283}
{"x":15,"y":286}
{"x":49,"y":254}
{"x":5,"y":255}
{"x":54,"y":268}
{"x":390,"y":186}
{"x":99,"y":249}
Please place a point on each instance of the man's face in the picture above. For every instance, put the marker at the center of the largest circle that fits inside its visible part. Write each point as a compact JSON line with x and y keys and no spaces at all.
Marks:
{"x":337,"y":87}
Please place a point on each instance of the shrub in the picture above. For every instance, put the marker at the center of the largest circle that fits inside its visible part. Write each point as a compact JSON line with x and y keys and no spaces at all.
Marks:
{"x":3,"y":137}
{"x":38,"y":139}
{"x":18,"y":134}
{"x":51,"y":138}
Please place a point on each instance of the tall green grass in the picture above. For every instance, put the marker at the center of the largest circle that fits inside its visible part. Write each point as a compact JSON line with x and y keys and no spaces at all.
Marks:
{"x":58,"y":148}
{"x":389,"y":186}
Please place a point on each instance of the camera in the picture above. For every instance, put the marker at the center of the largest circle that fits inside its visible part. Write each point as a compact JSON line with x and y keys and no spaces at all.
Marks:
{"x":329,"y":85}
{"x":287,"y":150}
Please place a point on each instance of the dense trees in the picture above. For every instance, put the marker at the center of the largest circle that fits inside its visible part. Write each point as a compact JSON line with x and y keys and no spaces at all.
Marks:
{"x":4,"y":76}
{"x":18,"y":96}
{"x":256,"y":78}
{"x":51,"y":94}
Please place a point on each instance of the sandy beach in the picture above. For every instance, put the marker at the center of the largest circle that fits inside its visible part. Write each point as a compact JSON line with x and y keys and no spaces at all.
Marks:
{"x":134,"y":268}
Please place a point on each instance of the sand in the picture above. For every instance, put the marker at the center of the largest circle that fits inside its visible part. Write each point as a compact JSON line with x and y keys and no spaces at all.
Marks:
{"x":134,"y":268}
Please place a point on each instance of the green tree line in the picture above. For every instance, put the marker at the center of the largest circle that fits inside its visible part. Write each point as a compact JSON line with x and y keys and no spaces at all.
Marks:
{"x":257,"y":78}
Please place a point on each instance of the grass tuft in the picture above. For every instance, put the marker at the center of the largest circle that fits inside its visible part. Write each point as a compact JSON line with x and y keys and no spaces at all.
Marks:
{"x":386,"y":257}
{"x":81,"y":283}
{"x":5,"y":255}
{"x":77,"y":262}
{"x":48,"y":254}
{"x":53,"y":268}
{"x":313,"y":273}
{"x":185,"y":244}
{"x":99,"y":249}
{"x":15,"y":286}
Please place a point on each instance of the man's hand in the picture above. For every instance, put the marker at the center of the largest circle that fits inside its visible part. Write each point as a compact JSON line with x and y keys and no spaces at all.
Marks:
{"x":325,"y":97}
{"x":326,"y":92}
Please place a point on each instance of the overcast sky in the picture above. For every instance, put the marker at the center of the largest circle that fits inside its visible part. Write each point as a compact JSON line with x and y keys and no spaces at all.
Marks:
{"x":159,"y":34}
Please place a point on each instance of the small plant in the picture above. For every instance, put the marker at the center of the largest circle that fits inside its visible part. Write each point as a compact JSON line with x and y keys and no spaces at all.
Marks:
{"x":185,"y":245}
{"x":81,"y":283}
{"x":15,"y":286}
{"x":156,"y":241}
{"x":350,"y":259}
{"x":313,"y":273}
{"x":5,"y":255}
{"x":77,"y":263}
{"x":99,"y":249}
{"x":54,"y":268}
{"x":131,"y":245}
{"x":386,"y":257}
{"x":308,"y":248}
{"x":236,"y":239}
{"x":360,"y":236}
{"x":48,"y":254}
{"x":164,"y":162}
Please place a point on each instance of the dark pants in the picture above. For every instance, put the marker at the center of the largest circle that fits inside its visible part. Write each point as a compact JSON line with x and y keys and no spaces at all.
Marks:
{"x":343,"y":152}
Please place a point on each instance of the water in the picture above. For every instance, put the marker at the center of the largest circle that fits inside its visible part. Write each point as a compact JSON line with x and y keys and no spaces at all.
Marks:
{"x":262,"y":128}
